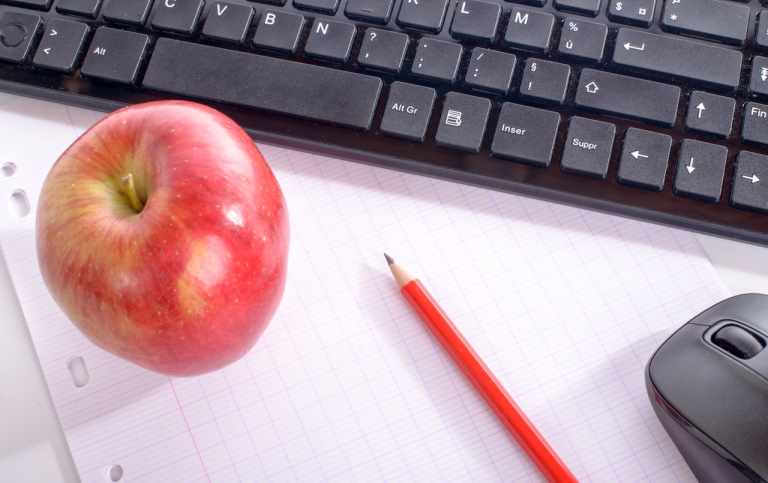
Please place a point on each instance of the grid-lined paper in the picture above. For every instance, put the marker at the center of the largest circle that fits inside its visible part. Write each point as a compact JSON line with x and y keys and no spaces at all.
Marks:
{"x":564,"y":305}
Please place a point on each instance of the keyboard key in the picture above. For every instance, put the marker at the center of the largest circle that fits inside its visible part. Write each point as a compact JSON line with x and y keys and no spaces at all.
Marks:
{"x":85,"y":8}
{"x":750,"y":182}
{"x":177,"y":16}
{"x":61,"y":45}
{"x":322,"y":6}
{"x":525,"y":134}
{"x":36,"y":4}
{"x":227,"y":22}
{"x":529,"y":30}
{"x":755,"y":125}
{"x":710,"y":19}
{"x":644,"y":159}
{"x":280,"y":3}
{"x":424,"y":15}
{"x":383,"y":50}
{"x":534,"y":3}
{"x":407,"y":112}
{"x":130,"y":12}
{"x":684,"y":59}
{"x":278,"y":31}
{"x":632,"y":12}
{"x":588,"y":146}
{"x":330,"y":40}
{"x":490,"y":70}
{"x":17,"y":31}
{"x":462,"y":123}
{"x":475,"y":20}
{"x":374,"y":11}
{"x":710,"y":114}
{"x":436,"y":60}
{"x":700,"y":169}
{"x":583,"y":7}
{"x":582,"y":40}
{"x":115,"y":55}
{"x":627,"y":97}
{"x":761,"y":34}
{"x":281,"y":86}
{"x":545,"y":81}
{"x":758,"y":78}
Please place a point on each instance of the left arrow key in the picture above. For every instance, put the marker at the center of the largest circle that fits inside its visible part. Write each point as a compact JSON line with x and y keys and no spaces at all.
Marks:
{"x":61,"y":46}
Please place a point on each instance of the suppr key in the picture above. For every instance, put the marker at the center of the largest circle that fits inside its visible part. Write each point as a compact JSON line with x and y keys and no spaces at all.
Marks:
{"x":584,"y":145}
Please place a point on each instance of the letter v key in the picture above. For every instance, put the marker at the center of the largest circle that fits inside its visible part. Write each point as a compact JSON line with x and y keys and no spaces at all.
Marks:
{"x":220,"y":10}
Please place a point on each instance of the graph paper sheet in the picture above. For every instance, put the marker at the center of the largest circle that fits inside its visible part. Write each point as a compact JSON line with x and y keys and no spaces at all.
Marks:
{"x":564,"y":305}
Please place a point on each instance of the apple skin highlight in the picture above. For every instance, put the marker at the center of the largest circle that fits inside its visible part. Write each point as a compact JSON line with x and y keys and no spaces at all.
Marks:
{"x":188,"y":284}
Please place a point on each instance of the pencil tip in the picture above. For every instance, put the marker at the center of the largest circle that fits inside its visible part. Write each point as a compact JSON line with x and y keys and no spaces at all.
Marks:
{"x":389,"y":259}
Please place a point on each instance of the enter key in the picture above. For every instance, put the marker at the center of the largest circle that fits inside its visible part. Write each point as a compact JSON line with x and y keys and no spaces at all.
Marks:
{"x":683,"y":59}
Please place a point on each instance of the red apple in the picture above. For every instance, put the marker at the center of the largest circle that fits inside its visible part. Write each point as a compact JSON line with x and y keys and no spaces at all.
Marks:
{"x":163,"y":235}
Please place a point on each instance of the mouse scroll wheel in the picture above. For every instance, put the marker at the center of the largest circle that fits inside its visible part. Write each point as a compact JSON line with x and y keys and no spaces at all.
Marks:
{"x":738,"y":341}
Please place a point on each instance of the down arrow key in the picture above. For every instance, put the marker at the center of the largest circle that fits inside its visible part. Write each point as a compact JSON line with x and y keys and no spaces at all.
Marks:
{"x":700,"y":170}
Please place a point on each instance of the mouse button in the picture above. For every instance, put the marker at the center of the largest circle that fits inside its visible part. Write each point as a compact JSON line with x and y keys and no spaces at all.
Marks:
{"x":738,"y":341}
{"x":678,"y":362}
{"x":750,"y":309}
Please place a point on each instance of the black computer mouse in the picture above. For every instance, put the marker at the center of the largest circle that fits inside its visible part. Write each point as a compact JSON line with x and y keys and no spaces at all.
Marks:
{"x":708,"y":384}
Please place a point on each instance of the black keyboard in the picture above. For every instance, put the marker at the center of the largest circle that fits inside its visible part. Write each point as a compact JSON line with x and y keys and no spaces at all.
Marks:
{"x":651,"y":109}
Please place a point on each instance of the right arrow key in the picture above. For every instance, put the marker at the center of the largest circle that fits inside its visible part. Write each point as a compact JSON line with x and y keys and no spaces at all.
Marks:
{"x":750,"y":182}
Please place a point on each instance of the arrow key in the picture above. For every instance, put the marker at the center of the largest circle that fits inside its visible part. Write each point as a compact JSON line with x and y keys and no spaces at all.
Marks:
{"x":700,"y":169}
{"x":710,"y":114}
{"x":60,"y":47}
{"x":644,"y":158}
{"x":750,"y":182}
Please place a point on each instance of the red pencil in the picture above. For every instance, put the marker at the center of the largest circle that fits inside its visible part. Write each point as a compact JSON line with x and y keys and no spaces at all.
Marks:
{"x":494,"y":394}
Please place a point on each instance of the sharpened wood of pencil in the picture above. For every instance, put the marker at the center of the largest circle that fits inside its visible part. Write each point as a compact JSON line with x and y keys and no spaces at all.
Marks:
{"x":494,"y":394}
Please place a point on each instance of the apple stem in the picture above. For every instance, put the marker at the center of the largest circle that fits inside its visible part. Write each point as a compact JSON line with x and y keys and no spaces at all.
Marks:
{"x":130,"y":189}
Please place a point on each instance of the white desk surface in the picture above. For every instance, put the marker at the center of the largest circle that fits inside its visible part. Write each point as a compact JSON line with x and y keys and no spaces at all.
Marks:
{"x":32,"y":443}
